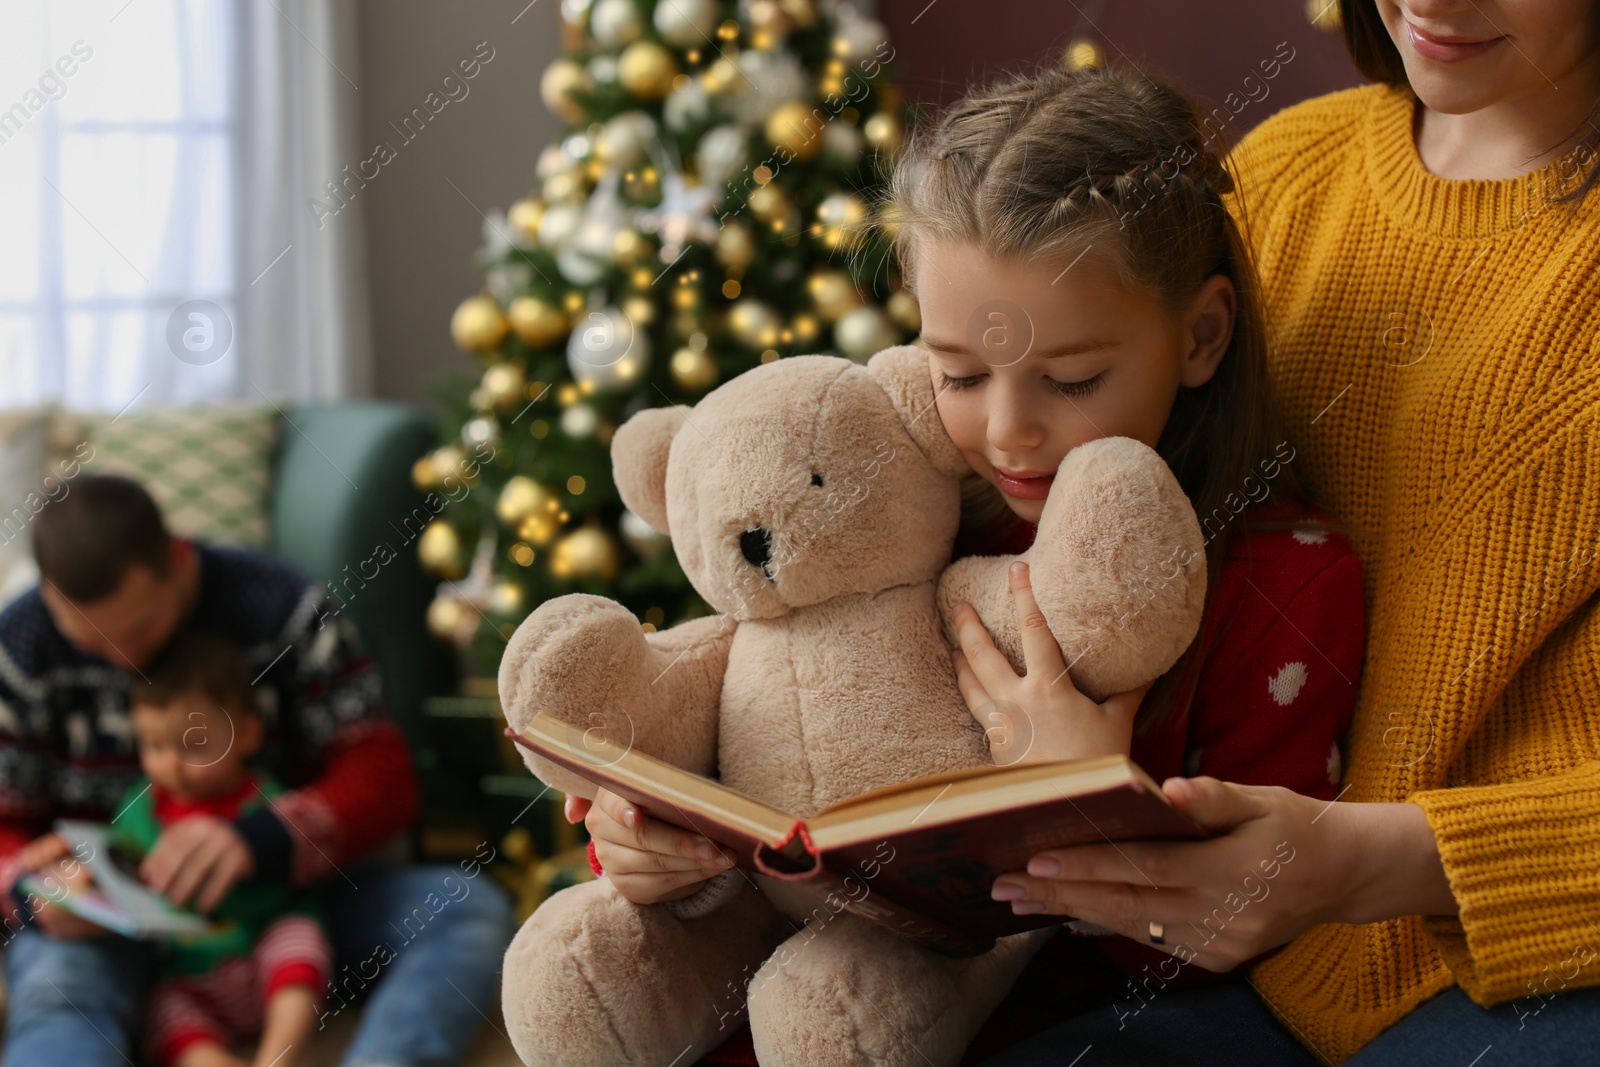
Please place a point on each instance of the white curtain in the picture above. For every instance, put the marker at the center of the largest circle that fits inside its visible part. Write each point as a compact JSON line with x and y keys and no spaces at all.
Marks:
{"x":157,"y":159}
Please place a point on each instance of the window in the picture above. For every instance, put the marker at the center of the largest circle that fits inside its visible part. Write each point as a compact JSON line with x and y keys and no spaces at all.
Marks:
{"x":117,"y":155}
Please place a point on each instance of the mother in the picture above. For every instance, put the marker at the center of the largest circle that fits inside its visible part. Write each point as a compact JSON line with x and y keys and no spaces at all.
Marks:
{"x":1430,"y":250}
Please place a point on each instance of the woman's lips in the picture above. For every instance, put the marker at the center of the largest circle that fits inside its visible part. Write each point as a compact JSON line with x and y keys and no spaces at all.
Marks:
{"x":1033,"y":488}
{"x":1447,"y":49}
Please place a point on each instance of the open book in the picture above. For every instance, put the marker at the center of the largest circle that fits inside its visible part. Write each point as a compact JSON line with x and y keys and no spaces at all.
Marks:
{"x":918,"y":858}
{"x":117,"y":901}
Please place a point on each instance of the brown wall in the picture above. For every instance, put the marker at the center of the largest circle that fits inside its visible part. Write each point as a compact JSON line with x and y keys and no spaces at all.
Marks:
{"x":1210,"y":46}
{"x":421,"y":232}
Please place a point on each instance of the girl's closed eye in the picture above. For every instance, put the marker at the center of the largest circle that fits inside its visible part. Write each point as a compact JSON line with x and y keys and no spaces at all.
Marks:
{"x":1073,"y":389}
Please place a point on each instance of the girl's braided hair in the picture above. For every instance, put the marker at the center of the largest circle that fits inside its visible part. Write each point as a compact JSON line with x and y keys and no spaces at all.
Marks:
{"x":1124,"y":167}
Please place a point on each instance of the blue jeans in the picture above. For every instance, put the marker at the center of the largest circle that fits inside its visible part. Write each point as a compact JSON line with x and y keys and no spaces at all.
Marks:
{"x":1228,"y":1024}
{"x":73,"y":1001}
{"x":427,"y":940}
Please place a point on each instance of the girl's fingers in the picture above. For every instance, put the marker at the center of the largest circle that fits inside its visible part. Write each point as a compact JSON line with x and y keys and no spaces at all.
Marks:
{"x":619,"y":822}
{"x":654,"y":888}
{"x":622,"y":860}
{"x":1040,"y":653}
{"x":989,"y":665}
{"x":972,"y":690}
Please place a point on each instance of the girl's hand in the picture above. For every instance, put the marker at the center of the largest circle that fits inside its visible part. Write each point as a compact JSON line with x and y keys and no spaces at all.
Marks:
{"x":1041,"y":715}
{"x":1280,"y":864}
{"x":649,"y":861}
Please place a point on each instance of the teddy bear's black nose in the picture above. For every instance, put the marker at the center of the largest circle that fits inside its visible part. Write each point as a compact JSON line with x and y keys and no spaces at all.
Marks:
{"x":756,"y":545}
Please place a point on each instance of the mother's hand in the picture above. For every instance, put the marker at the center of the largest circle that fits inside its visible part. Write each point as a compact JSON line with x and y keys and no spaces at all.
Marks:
{"x":1279,"y":864}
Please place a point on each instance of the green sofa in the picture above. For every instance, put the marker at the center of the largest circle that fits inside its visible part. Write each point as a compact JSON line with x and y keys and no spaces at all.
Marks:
{"x":330,"y":521}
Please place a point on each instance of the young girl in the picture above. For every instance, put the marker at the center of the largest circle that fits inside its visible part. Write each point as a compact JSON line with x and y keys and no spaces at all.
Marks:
{"x":1068,"y":238}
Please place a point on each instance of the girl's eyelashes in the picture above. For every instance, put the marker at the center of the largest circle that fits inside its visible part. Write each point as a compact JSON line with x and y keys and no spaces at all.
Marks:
{"x":959,"y":383}
{"x":1072,"y":389}
{"x":1078,"y":389}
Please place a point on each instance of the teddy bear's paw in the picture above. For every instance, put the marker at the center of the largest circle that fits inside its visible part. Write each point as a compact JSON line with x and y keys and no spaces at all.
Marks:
{"x":592,"y":980}
{"x":1118,"y":565}
{"x":853,"y":995}
{"x":581,"y":658}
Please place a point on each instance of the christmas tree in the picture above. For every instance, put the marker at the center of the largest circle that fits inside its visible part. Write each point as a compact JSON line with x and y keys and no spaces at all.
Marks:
{"x":708,"y":207}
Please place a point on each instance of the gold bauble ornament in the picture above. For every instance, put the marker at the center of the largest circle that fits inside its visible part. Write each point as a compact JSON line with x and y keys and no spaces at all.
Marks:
{"x":478,"y":324}
{"x":646,"y":70}
{"x":629,"y":246}
{"x":537,"y":322}
{"x":583,"y":553}
{"x":793,"y":128}
{"x":446,"y":616}
{"x":640,"y":309}
{"x":560,"y":81}
{"x":833,"y":293}
{"x":502,"y":384}
{"x":735,"y":246}
{"x":505,"y":598}
{"x":540,"y":528}
{"x":1083,"y":54}
{"x":802,"y":12}
{"x":769,"y":203}
{"x":841,"y":221}
{"x":693,"y":371}
{"x":754,"y":323}
{"x":422,"y":474}
{"x":904,"y":310}
{"x":524,"y":216}
{"x":439,"y":549}
{"x":450,"y":462}
{"x":884,"y":133}
{"x":520,"y":497}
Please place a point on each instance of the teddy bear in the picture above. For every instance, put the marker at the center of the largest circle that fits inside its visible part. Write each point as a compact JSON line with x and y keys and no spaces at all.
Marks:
{"x":813,"y":502}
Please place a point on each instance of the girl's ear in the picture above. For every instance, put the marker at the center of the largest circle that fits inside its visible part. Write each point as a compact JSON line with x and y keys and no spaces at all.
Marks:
{"x":639,"y":461}
{"x":1209,"y":329}
{"x":903,"y":372}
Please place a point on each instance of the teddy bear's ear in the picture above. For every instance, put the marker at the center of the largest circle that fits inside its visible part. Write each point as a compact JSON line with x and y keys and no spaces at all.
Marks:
{"x":903,"y":373}
{"x":639,"y":461}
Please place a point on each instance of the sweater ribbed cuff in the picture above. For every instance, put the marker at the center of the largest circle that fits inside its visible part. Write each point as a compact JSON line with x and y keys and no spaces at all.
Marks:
{"x":269,"y":843}
{"x":718,"y":890}
{"x":1513,"y":855}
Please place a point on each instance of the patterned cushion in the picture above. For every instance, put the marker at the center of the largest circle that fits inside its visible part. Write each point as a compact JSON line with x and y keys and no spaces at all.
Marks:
{"x":210,"y":469}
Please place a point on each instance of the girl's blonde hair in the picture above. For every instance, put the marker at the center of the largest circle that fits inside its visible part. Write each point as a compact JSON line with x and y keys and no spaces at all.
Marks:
{"x":1120,"y":166}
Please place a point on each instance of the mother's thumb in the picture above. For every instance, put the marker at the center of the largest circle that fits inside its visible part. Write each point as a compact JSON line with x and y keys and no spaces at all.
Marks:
{"x":1215,"y":805}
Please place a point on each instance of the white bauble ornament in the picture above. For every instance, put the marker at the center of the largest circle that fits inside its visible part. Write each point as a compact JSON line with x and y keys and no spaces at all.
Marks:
{"x":615,"y":22}
{"x":643,"y":538}
{"x":625,"y":139}
{"x":864,"y":331}
{"x":779,"y":78}
{"x":579,"y":420}
{"x":722,"y":154}
{"x":855,"y":38}
{"x":841,"y":142}
{"x":688,"y":105}
{"x":686,"y":23}
{"x":607,"y":349}
{"x":560,"y":222}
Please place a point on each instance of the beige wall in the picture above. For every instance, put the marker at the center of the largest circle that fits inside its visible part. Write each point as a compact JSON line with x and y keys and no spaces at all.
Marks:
{"x":421,"y":233}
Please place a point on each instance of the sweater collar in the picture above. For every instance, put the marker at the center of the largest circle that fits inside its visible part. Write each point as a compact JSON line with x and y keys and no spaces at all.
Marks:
{"x":1472,"y":208}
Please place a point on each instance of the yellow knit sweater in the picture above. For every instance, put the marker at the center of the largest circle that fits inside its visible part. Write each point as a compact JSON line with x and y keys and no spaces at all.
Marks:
{"x":1437,"y":346}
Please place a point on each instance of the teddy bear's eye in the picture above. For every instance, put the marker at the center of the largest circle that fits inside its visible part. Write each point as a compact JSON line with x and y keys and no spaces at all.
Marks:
{"x":816,"y":479}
